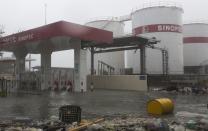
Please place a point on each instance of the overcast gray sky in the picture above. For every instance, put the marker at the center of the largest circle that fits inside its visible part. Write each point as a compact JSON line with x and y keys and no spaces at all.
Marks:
{"x":25,"y":14}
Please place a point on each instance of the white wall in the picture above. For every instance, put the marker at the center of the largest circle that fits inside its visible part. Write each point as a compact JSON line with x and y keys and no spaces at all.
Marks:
{"x":119,"y":82}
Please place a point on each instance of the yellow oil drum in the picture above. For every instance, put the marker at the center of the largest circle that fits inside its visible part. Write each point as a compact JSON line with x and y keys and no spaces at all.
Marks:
{"x":160,"y":106}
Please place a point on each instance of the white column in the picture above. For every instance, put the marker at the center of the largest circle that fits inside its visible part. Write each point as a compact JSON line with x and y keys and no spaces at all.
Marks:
{"x":45,"y":69}
{"x":19,"y":63}
{"x":80,"y":69}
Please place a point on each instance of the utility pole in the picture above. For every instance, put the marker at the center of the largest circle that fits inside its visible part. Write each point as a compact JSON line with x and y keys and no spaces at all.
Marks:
{"x":45,"y":7}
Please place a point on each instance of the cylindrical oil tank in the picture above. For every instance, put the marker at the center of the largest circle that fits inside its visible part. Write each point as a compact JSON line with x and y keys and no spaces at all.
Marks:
{"x":160,"y":106}
{"x":165,"y":23}
{"x":113,"y":59}
{"x":195,"y":46}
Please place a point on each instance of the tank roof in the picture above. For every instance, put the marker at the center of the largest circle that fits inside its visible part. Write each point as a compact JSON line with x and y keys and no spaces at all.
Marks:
{"x":160,"y":4}
{"x":204,"y":22}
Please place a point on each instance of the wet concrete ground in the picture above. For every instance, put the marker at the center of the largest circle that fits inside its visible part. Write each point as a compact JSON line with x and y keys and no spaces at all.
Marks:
{"x":97,"y":103}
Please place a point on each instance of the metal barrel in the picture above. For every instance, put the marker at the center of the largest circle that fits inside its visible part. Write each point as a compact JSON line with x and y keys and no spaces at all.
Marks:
{"x":160,"y":106}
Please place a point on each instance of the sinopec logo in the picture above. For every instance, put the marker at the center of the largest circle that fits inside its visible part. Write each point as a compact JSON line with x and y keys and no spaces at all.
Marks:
{"x":157,"y":28}
{"x":14,"y":39}
{"x":169,"y":28}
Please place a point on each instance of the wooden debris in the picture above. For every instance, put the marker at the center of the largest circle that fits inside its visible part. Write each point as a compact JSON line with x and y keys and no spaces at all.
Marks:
{"x":85,"y":125}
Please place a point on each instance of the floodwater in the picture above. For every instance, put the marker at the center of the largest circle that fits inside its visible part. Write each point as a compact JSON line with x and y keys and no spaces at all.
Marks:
{"x":94,"y":104}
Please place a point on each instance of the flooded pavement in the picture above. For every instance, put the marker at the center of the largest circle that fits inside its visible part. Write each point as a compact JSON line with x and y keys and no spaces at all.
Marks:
{"x":97,"y":103}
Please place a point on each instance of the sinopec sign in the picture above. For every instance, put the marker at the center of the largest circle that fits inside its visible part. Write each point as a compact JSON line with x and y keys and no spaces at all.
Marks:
{"x":157,"y":28}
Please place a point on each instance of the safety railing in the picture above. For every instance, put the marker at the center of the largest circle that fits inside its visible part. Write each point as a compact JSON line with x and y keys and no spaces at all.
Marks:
{"x":105,"y":69}
{"x":108,"y":18}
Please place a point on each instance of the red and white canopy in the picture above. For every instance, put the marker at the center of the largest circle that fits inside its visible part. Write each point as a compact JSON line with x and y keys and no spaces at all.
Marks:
{"x":57,"y":36}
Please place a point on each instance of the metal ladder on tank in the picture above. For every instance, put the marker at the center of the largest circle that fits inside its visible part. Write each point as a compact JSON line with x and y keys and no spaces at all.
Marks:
{"x":102,"y":65}
{"x":105,"y":69}
{"x":165,"y":61}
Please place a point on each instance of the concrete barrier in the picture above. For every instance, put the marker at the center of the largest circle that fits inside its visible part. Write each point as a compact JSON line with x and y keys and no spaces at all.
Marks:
{"x":118,"y":82}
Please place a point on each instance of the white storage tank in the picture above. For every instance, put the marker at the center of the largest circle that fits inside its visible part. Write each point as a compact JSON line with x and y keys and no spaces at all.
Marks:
{"x":163,"y":21}
{"x":195,"y":45}
{"x":114,"y":59}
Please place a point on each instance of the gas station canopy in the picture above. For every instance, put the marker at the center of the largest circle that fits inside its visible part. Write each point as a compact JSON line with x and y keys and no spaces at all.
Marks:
{"x":57,"y":36}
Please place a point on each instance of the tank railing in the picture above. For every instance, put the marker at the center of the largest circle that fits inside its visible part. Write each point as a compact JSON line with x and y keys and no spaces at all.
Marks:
{"x":109,"y":18}
{"x":159,"y":4}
